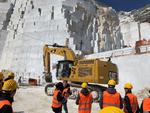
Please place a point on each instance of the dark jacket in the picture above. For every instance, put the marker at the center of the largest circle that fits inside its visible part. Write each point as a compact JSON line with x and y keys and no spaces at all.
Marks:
{"x":68,"y":91}
{"x":110,"y":90}
{"x":128,"y":105}
{"x":6,"y":108}
{"x":85,"y":92}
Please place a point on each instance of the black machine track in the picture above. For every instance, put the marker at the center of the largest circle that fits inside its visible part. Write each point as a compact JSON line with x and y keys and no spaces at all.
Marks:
{"x":75,"y":90}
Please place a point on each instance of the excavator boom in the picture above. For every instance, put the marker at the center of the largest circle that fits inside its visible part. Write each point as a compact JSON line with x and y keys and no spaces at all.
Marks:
{"x":57,"y":50}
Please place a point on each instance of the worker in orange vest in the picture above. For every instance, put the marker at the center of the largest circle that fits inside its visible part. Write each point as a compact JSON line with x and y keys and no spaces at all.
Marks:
{"x":111,"y":97}
{"x":8,"y":91}
{"x":84,"y":100}
{"x":130,"y":100}
{"x":57,"y":98}
{"x":66,"y":94}
{"x":145,"y":106}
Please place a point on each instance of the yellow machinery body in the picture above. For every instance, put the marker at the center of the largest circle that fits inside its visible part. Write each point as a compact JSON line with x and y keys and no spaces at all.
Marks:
{"x":92,"y":71}
{"x":79,"y":70}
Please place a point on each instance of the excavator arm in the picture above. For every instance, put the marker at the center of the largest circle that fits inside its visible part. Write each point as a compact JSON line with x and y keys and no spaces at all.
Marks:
{"x":57,"y":50}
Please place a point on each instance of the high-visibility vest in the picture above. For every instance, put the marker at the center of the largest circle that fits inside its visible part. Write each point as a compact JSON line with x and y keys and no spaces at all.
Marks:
{"x":55,"y":102}
{"x":4,"y":102}
{"x":146,"y":104}
{"x":111,"y":99}
{"x":65,"y":93}
{"x":133,"y":103}
{"x":85,"y":103}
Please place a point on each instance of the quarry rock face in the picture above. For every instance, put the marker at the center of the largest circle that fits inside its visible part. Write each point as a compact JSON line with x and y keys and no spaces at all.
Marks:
{"x":86,"y":26}
{"x":35,"y":23}
{"x":109,"y":35}
{"x":5,"y":12}
{"x":93,"y":27}
{"x":32,"y":24}
{"x":135,"y":25}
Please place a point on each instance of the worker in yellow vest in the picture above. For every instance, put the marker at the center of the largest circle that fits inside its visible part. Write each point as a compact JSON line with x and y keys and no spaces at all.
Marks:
{"x":145,"y":106}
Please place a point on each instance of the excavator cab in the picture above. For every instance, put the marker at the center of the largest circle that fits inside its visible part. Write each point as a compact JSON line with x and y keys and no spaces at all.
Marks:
{"x":64,"y":68}
{"x":114,"y":76}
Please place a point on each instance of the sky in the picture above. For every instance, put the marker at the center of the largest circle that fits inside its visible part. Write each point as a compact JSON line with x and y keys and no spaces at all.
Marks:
{"x":125,"y":5}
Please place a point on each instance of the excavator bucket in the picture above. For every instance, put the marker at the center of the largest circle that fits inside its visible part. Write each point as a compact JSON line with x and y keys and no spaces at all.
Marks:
{"x":48,"y":77}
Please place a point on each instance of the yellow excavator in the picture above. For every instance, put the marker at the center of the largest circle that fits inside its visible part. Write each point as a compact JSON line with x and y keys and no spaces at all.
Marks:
{"x":77,"y":70}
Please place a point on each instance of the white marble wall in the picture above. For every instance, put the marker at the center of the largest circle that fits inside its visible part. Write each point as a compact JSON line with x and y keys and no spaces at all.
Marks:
{"x":109,"y":35}
{"x":95,"y":28}
{"x":132,"y":68}
{"x":130,"y":30}
{"x":23,"y":50}
{"x":29,"y":29}
{"x":4,"y":7}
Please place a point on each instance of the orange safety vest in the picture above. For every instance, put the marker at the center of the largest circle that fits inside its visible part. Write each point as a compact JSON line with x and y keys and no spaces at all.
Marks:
{"x":85,"y":103}
{"x":55,"y":102}
{"x":146,"y":104}
{"x":133,"y":102}
{"x":111,"y":99}
{"x":4,"y":102}
{"x":65,"y":93}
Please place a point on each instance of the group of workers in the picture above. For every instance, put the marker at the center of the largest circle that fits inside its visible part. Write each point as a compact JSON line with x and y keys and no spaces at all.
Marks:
{"x":8,"y":87}
{"x":110,"y":101}
{"x":60,"y":97}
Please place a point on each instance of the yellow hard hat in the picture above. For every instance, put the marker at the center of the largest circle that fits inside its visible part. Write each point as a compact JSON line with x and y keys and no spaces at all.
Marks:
{"x":112,"y":82}
{"x":111,"y":109}
{"x":84,"y":85}
{"x":11,"y":74}
{"x":10,"y":85}
{"x":1,"y":76}
{"x":128,"y":86}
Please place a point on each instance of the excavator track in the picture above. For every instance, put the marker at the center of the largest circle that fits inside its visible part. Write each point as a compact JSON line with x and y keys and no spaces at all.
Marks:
{"x":49,"y":88}
{"x":96,"y":90}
